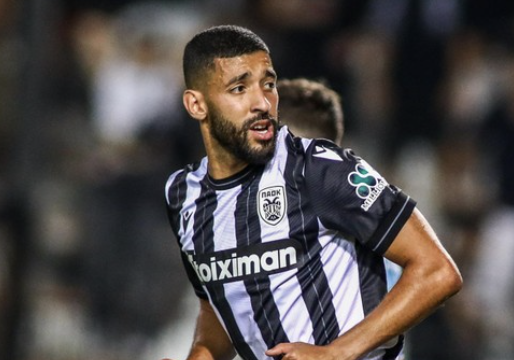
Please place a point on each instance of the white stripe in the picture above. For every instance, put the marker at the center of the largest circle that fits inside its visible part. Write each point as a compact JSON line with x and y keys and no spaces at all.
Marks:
{"x":243,"y":313}
{"x":224,"y":227}
{"x":342,"y":271}
{"x":294,"y":314}
{"x":168,"y":185}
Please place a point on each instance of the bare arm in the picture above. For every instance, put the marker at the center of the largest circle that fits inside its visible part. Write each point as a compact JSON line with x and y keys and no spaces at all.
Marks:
{"x":210,"y":342}
{"x":429,"y":278}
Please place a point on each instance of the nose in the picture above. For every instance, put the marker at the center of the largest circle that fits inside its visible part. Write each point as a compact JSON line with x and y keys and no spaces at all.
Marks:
{"x":260,"y":102}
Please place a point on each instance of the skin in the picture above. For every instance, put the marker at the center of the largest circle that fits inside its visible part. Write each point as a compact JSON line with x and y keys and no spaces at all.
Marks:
{"x":429,"y":277}
{"x":241,"y":89}
{"x":210,"y":339}
{"x":429,"y":274}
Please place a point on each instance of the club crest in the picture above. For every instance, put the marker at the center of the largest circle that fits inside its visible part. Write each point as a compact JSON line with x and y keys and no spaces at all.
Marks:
{"x":272,"y":204}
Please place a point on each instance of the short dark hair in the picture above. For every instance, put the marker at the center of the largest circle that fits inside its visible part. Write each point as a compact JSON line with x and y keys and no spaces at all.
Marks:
{"x":223,"y":41}
{"x":311,"y":107}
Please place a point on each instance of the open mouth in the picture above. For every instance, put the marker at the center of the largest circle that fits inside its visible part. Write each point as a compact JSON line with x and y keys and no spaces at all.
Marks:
{"x":262,"y":129}
{"x":261,"y":126}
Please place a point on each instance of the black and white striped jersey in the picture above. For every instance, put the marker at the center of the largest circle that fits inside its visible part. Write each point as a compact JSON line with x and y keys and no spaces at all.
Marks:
{"x":290,"y":251}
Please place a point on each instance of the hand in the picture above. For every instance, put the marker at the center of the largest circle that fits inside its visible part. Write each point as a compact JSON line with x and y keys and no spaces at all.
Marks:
{"x":301,"y":351}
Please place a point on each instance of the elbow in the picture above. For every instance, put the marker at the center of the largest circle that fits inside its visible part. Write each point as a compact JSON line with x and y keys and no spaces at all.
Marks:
{"x":442,"y":279}
{"x":450,"y":279}
{"x":457,"y":283}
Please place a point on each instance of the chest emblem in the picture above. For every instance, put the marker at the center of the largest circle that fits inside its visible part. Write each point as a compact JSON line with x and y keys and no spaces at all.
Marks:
{"x":272,"y":204}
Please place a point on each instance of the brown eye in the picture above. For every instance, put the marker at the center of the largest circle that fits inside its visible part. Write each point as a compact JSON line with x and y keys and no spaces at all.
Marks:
{"x":271,"y":85}
{"x":237,"y":89}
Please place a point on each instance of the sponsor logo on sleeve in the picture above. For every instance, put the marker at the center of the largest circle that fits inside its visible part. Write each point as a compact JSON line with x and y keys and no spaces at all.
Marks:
{"x":367,"y":182}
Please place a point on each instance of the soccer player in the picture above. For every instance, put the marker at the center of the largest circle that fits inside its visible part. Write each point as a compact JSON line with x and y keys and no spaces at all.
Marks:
{"x":282,"y":237}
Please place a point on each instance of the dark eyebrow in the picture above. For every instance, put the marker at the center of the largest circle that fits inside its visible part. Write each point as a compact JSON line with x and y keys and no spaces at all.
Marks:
{"x":238,"y":78}
{"x":271,"y":73}
{"x":235,"y":79}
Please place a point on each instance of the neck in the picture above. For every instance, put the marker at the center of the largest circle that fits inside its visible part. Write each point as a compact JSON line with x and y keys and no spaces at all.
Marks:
{"x":221,"y":169}
{"x":222,"y":163}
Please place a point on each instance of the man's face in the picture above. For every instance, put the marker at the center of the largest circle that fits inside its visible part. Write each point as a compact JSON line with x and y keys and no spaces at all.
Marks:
{"x":242,"y":101}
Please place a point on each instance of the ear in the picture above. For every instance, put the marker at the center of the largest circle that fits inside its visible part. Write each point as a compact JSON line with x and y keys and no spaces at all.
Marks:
{"x":195,"y":104}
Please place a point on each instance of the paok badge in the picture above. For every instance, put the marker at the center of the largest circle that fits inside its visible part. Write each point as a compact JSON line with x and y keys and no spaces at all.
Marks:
{"x":272,"y":204}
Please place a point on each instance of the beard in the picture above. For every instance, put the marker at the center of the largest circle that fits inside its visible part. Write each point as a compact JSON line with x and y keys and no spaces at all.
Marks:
{"x":236,"y":141}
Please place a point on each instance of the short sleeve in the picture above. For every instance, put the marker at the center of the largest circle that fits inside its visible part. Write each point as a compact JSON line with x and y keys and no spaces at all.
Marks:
{"x":351,"y":197}
{"x":193,"y":278}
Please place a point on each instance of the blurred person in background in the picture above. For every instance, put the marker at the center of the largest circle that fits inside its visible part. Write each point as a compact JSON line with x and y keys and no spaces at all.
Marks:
{"x":309,"y":108}
{"x":130,"y":282}
{"x":491,"y":282}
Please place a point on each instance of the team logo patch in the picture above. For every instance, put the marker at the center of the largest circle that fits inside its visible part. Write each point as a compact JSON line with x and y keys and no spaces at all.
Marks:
{"x":367,"y":182}
{"x":272,"y":204}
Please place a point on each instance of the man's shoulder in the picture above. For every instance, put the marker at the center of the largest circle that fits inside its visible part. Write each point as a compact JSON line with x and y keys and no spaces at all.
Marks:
{"x":179,"y":176}
{"x":313,"y":154}
{"x":310,"y":146}
{"x":189,"y":168}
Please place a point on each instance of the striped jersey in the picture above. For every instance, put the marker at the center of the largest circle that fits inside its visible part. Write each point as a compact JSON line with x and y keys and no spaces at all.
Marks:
{"x":290,"y":251}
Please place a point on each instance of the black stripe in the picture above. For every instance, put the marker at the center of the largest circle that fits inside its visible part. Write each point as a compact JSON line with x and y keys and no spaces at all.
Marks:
{"x":304,"y":227}
{"x":248,"y":232}
{"x":372,"y":277}
{"x":203,"y":239}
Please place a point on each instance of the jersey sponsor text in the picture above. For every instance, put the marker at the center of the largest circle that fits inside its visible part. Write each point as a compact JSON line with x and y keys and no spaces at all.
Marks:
{"x":251,"y":261}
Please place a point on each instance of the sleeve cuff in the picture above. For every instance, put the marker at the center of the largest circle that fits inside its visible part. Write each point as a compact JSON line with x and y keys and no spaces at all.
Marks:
{"x":392,"y":223}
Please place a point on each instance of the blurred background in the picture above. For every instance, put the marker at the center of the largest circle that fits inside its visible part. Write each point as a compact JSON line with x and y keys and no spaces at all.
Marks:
{"x":91,"y":125}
